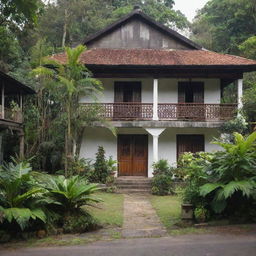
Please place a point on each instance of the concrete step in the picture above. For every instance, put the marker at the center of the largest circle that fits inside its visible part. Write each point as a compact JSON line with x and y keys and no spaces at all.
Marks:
{"x":136,"y":186}
{"x":131,"y":183}
{"x":131,"y":191}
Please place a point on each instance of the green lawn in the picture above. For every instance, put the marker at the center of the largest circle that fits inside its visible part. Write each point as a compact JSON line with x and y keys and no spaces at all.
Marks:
{"x":110,"y":211}
{"x":168,"y":209}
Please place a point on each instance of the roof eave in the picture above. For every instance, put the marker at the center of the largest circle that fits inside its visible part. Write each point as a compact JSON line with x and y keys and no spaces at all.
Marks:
{"x":20,"y":86}
{"x":244,"y":68}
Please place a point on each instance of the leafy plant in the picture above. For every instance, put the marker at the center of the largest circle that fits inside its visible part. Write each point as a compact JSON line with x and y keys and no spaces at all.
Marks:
{"x":69,"y":194}
{"x":20,"y":197}
{"x":162,"y":181}
{"x":232,"y":173}
{"x":101,"y":170}
{"x":201,"y":214}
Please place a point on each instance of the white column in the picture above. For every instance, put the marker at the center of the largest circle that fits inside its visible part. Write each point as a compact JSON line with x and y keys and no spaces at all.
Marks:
{"x":239,"y":93}
{"x":155,"y":99}
{"x":2,"y":114}
{"x":155,"y":132}
{"x":155,"y":148}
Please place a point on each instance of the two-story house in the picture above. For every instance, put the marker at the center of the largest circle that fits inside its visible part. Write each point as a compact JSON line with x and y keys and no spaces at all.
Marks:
{"x":11,"y":118}
{"x":162,"y":92}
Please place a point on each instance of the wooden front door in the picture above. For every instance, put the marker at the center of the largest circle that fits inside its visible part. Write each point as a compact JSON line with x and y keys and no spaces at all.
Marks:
{"x":132,"y":155}
{"x":189,"y":143}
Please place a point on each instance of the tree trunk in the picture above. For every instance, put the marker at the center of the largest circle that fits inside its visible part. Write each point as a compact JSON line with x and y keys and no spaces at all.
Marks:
{"x":79,"y":142}
{"x":65,"y":28}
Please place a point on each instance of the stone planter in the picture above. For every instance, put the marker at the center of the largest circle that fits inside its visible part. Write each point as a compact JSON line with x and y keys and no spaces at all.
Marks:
{"x":187,"y":212}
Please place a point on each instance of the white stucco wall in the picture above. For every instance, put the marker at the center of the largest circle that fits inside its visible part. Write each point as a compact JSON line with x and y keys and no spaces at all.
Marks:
{"x":94,"y":137}
{"x":167,"y":90}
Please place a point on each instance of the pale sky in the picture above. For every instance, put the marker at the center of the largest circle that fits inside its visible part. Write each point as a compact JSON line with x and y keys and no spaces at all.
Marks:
{"x":189,"y":7}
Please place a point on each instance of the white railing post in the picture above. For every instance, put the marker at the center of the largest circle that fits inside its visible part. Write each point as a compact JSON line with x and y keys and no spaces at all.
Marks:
{"x":155,"y":99}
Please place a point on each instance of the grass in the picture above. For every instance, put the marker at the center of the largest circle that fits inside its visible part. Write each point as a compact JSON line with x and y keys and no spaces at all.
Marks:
{"x":168,"y":209}
{"x":110,"y":211}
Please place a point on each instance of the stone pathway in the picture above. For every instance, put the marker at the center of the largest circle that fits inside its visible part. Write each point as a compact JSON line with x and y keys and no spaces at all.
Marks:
{"x":140,"y":219}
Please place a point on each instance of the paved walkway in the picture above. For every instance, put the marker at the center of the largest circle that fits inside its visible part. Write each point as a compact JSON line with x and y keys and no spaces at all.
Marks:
{"x":140,"y":219}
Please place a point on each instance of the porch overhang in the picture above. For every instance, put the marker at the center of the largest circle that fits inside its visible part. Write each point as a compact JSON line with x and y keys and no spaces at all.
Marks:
{"x":232,"y":72}
{"x":161,"y":124}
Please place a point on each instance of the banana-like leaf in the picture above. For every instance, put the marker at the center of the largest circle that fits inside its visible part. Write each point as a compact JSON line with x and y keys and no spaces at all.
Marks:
{"x":208,"y":188}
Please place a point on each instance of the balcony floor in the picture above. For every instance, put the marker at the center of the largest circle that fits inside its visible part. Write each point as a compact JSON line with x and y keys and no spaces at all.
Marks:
{"x":163,"y":124}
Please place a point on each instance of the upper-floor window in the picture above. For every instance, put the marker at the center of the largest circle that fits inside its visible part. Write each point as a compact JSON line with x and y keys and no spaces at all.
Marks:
{"x":127,"y":91}
{"x":191,"y":92}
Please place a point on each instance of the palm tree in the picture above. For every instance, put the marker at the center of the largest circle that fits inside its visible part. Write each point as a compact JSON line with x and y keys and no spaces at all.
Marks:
{"x":74,"y":80}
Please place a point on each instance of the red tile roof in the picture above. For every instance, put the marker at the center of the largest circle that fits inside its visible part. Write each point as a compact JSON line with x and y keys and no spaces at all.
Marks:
{"x":157,"y":57}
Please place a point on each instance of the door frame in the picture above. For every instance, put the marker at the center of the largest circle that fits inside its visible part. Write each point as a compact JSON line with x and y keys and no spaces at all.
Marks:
{"x":118,"y":154}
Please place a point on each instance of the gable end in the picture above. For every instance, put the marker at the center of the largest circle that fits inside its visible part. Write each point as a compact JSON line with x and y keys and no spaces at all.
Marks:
{"x":137,"y":30}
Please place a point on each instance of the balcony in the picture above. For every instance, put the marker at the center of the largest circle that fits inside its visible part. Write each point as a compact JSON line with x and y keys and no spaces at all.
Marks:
{"x":11,"y":115}
{"x":166,"y":111}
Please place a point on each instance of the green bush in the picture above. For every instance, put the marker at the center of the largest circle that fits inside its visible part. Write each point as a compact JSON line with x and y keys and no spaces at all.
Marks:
{"x":79,"y":223}
{"x":224,"y":182}
{"x":193,"y":168}
{"x":201,"y":214}
{"x":231,"y":176}
{"x":162,"y":181}
{"x":101,"y":171}
{"x":21,"y":199}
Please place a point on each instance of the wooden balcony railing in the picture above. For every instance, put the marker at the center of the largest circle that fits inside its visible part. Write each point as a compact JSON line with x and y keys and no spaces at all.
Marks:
{"x":196,"y":111}
{"x":11,"y":115}
{"x":166,"y":111}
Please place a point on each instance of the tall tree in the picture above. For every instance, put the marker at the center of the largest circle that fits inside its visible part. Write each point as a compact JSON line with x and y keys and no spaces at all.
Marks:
{"x":222,"y":25}
{"x":73,"y":80}
{"x":19,"y":12}
{"x":69,"y":22}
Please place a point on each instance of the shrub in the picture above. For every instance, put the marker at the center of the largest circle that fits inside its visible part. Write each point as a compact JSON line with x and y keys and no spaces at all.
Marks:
{"x":162,"y":181}
{"x":231,"y":176}
{"x":238,"y":124}
{"x":68,"y":195}
{"x":192,"y":167}
{"x":201,"y":214}
{"x":79,"y":223}
{"x":21,"y":199}
{"x":101,"y":171}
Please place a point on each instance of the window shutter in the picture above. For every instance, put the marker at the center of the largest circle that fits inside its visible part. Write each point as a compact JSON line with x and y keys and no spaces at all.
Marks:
{"x":119,"y":92}
{"x":198,"y":92}
{"x":181,"y":91}
{"x":137,"y":92}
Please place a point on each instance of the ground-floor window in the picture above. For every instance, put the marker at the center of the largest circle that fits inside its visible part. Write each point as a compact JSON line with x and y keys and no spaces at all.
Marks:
{"x":189,"y":143}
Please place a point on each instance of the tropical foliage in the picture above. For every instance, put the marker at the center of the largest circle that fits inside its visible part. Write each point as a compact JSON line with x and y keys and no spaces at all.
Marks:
{"x":32,"y":201}
{"x":20,"y":198}
{"x":224,"y":182}
{"x":232,"y":173}
{"x":162,"y":182}
{"x":73,"y":81}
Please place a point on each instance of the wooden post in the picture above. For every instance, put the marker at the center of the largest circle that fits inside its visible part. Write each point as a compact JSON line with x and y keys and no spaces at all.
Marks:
{"x":3,"y":103}
{"x":22,"y":144}
{"x":21,"y":102}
